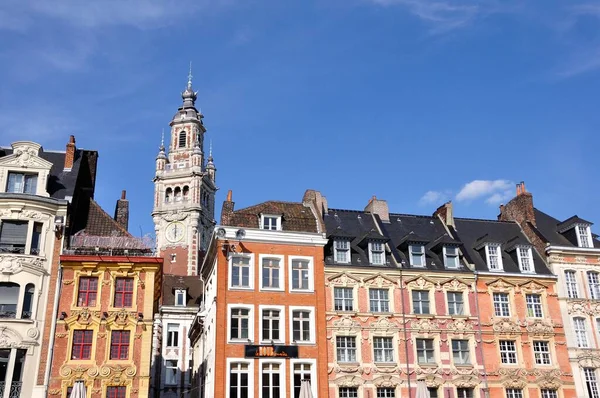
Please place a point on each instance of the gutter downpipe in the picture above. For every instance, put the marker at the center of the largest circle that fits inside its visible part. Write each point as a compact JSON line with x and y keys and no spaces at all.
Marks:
{"x":53,"y":328}
{"x":485,"y":381}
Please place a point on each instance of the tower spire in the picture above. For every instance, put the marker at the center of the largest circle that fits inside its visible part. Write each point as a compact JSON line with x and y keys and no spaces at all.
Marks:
{"x":162,"y":140}
{"x":189,"y":83}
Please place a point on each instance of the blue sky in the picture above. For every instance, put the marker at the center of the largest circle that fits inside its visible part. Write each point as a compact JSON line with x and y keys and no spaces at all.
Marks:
{"x":414,"y":101}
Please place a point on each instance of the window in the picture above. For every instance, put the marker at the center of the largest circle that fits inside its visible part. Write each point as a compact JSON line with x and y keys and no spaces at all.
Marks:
{"x":116,"y":392}
{"x":341,"y":249}
{"x":591,"y":382}
{"x":28,"y":301}
{"x":451,"y":257}
{"x":270,"y":272}
{"x":571,"y":284}
{"x":301,"y":326}
{"x":386,"y":392}
{"x":172,"y":335}
{"x":180,"y":297}
{"x":171,"y":372}
{"x":417,"y":255}
{"x":346,"y":348}
{"x":271,"y":384}
{"x":270,"y":325}
{"x":455,"y":303}
{"x":82,"y":344}
{"x":119,"y":344}
{"x":501,"y":304}
{"x":425,"y":352}
{"x":525,"y":259}
{"x":378,"y":300}
{"x":343,"y":300}
{"x":271,"y":223}
{"x":420,"y":301}
{"x":9,"y":297}
{"x":240,"y":272}
{"x":301,"y":372}
{"x":460,"y":352}
{"x":36,"y":238}
{"x":545,"y":393}
{"x":583,"y":236}
{"x":301,"y":274}
{"x":22,"y":183}
{"x":240,"y":319}
{"x":534,"y":305}
{"x":383,"y":349}
{"x":508,"y":352}
{"x":514,"y":393}
{"x":494,"y":259}
{"x":124,"y":292}
{"x":463,"y":393}
{"x":182,"y":139}
{"x":348,"y":392}
{"x":239,"y":377}
{"x":87,"y":292}
{"x":541,"y":353}
{"x":433,"y":392}
{"x":580,"y":332}
{"x":594,"y":284}
{"x":376,"y":253}
{"x":13,"y":236}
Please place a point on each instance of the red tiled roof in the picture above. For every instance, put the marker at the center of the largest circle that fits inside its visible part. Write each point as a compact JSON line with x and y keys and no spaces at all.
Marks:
{"x":100,"y":223}
{"x":295,"y":216}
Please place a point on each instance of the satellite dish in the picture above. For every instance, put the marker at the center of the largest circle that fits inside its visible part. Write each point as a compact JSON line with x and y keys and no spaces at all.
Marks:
{"x":240,"y":234}
{"x":221,"y":232}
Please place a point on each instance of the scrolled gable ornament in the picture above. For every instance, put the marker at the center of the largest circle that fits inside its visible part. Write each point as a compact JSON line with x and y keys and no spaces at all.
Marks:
{"x":387,"y":382}
{"x":506,"y":326}
{"x":465,"y":381}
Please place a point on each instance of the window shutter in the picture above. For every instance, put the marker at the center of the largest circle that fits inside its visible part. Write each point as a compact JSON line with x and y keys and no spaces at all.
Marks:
{"x":13,"y":232}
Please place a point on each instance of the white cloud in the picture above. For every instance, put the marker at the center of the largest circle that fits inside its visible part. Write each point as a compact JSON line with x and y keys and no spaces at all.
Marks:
{"x":433,"y":197}
{"x":499,"y":197}
{"x":493,"y":190}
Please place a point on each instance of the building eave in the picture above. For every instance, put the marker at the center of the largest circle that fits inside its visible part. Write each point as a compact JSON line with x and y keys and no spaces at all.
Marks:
{"x":575,"y":250}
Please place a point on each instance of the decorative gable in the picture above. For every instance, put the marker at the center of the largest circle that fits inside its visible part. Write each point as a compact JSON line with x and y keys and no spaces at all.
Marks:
{"x":342,"y":279}
{"x":455,"y":284}
{"x":501,"y":285}
{"x":532,"y":286}
{"x":420,"y":282}
{"x":379,"y":280}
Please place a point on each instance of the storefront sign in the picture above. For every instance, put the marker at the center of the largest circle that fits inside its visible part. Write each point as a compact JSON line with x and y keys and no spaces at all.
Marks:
{"x":271,"y":351}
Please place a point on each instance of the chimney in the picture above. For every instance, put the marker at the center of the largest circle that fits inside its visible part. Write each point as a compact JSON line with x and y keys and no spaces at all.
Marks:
{"x":446,"y":213}
{"x":122,"y":211}
{"x":318,"y":205}
{"x":520,"y":208}
{"x":70,"y":154}
{"x":379,"y":207}
{"x":227,"y":209}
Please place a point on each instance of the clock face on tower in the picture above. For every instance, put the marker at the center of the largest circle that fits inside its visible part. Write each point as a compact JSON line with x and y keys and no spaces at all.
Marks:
{"x":175,"y":232}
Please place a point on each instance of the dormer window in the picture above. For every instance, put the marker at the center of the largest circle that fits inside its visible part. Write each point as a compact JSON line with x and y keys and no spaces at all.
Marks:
{"x":525,"y":259}
{"x":376,"y":253}
{"x":269,"y":222}
{"x":451,"y":257}
{"x":583,"y":236}
{"x":417,"y":255}
{"x":341,"y":249}
{"x":493,"y":257}
{"x":22,"y":183}
{"x":180,"y":297}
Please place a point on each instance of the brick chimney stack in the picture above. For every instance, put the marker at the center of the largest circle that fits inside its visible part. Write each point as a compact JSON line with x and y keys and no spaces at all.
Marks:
{"x":379,"y":207}
{"x":70,"y":153}
{"x":122,"y":211}
{"x":520,"y":208}
{"x":446,"y":213}
{"x":227,"y":209}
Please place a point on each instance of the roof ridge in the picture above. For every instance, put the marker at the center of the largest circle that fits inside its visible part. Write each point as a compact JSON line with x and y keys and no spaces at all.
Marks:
{"x":485,"y":220}
{"x":268,"y":201}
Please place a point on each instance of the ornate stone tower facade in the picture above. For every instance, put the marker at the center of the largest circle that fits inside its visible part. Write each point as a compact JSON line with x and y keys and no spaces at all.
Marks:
{"x":184,"y":191}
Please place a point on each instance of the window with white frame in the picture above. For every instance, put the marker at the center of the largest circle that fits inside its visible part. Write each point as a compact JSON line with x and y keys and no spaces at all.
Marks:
{"x":591,"y":382}
{"x":241,"y":272}
{"x":301,"y":326}
{"x":348,"y":392}
{"x":379,"y":300}
{"x":451,"y":259}
{"x":464,"y":393}
{"x":541,"y":353}
{"x":461,"y":352}
{"x":302,"y":371}
{"x":346,"y":348}
{"x":493,"y":257}
{"x":456,"y":304}
{"x":383,"y":349}
{"x":271,"y":382}
{"x":571,"y":284}
{"x":508,"y":352}
{"x":239,"y":379}
{"x":514,"y":393}
{"x":271,"y":271}
{"x":343,"y":299}
{"x":341,"y":250}
{"x":547,"y":393}
{"x":239,"y":324}
{"x":594,"y":284}
{"x":376,"y":253}
{"x":420,"y":301}
{"x":416,"y":255}
{"x":15,"y":237}
{"x":271,"y":223}
{"x":580,"y":332}
{"x":425,"y":351}
{"x":171,"y":372}
{"x":271,"y":323}
{"x":386,"y":392}
{"x":534,"y":305}
{"x":180,"y":297}
{"x":501,"y":304}
{"x":525,"y":259}
{"x":583,"y":236}
{"x":172,"y":335}
{"x":301,"y":274}
{"x":22,"y":183}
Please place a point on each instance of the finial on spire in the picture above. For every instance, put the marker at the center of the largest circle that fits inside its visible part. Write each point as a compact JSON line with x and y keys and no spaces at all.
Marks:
{"x":162,"y":138}
{"x":210,"y":149}
{"x":189,"y":84}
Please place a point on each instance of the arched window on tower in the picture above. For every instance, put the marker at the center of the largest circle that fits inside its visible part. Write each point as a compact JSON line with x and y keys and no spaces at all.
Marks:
{"x":177,"y":194}
{"x":182,"y":139}
{"x":186,"y":192}
{"x":28,"y":301}
{"x":168,"y":195}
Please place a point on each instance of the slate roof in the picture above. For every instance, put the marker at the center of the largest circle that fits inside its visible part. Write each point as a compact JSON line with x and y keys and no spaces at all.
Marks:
{"x":548,"y":227}
{"x":474,"y":233}
{"x":192,"y":284}
{"x":295,"y":216}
